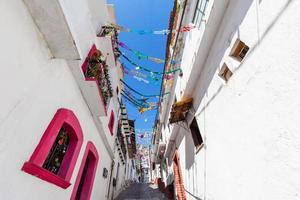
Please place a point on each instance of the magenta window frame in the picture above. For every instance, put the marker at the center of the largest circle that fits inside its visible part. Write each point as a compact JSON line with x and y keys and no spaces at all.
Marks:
{"x":84,"y":68}
{"x":111,"y":122}
{"x":66,"y":118}
{"x":91,"y":152}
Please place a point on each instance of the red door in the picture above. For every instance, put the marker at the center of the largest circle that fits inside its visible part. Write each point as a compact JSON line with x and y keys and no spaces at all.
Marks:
{"x":178,"y":178}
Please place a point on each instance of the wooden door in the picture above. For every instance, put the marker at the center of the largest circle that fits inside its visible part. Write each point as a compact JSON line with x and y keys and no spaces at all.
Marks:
{"x":178,"y":178}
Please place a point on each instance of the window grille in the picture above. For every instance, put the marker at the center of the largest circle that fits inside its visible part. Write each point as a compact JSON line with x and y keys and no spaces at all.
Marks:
{"x":57,"y":152}
{"x":54,"y":158}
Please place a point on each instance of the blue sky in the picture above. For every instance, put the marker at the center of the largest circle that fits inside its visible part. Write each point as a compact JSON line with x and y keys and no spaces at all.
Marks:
{"x":143,"y":15}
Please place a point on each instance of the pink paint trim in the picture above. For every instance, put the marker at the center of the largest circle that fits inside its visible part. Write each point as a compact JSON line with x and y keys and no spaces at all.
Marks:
{"x":111,"y":122}
{"x":66,"y":118}
{"x":44,"y":174}
{"x":91,"y":52}
{"x":84,"y":68}
{"x":92,"y":153}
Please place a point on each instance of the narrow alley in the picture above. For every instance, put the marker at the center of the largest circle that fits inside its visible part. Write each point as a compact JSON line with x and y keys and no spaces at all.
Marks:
{"x":150,"y":99}
{"x":141,"y":191}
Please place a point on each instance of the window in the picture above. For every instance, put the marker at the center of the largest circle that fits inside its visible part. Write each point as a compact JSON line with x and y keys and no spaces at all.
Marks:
{"x":196,"y":134}
{"x":55,"y":156}
{"x":239,"y":50}
{"x":58,"y":151}
{"x":225,"y":73}
{"x":95,"y":69}
{"x":86,"y":174}
{"x":200,"y":12}
{"x":111,"y":122}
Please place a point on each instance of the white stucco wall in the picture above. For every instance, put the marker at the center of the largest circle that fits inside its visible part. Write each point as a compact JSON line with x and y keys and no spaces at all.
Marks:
{"x":33,"y":87}
{"x":249,"y":124}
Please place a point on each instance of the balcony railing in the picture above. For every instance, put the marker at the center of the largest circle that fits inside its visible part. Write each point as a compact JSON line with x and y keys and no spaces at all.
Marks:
{"x":121,"y":140}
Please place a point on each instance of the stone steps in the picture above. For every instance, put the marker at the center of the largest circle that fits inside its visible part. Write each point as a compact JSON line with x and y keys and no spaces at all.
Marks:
{"x":141,"y":191}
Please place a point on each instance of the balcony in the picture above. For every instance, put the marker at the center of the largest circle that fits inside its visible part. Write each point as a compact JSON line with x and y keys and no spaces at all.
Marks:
{"x":94,"y":81}
{"x":52,"y":24}
{"x":180,"y":110}
{"x":95,"y":69}
{"x":121,"y":144}
{"x":131,"y":143}
{"x":107,"y":38}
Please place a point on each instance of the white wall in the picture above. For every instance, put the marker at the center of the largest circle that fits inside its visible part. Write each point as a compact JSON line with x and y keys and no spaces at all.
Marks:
{"x":84,"y":26}
{"x":249,"y":124}
{"x":33,"y":87}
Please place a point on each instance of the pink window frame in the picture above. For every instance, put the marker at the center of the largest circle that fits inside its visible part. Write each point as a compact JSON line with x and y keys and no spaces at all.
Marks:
{"x":66,"y":118}
{"x":90,"y":151}
{"x":84,"y":68}
{"x":111,"y":122}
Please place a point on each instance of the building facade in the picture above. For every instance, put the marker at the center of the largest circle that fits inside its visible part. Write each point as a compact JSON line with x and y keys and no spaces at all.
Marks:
{"x":228,"y":128}
{"x":61,"y":106}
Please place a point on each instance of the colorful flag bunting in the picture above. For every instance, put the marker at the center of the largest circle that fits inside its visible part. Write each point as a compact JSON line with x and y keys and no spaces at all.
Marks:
{"x":185,"y":28}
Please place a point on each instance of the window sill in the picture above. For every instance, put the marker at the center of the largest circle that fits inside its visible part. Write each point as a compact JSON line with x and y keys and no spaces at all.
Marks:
{"x":44,"y":174}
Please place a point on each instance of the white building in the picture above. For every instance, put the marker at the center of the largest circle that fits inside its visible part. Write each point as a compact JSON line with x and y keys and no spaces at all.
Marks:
{"x":58,"y":127}
{"x":238,"y":138}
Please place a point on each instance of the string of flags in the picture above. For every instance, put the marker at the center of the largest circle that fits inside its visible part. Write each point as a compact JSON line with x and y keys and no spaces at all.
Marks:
{"x":140,"y":55}
{"x":185,"y":28}
{"x":142,"y":103}
{"x":152,"y":73}
{"x":133,"y":100}
{"x":144,"y":135}
{"x":153,"y":95}
{"x":143,"y":77}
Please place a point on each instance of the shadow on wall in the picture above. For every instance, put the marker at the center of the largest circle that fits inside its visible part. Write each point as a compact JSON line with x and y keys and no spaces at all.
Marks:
{"x":280,"y":13}
{"x":189,"y":150}
{"x":195,"y":197}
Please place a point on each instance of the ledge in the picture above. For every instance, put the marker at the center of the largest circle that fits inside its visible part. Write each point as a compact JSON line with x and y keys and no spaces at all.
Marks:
{"x":51,"y":22}
{"x":44,"y":174}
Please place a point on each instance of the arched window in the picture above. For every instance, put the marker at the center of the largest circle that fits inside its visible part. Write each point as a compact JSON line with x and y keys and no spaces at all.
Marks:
{"x":58,"y":151}
{"x":85,"y":179}
{"x":55,"y":156}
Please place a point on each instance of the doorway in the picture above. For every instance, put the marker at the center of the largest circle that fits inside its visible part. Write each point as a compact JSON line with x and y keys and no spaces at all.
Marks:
{"x":178,"y":178}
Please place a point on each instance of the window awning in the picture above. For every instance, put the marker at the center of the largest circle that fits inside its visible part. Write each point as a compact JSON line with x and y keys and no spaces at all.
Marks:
{"x":180,"y":110}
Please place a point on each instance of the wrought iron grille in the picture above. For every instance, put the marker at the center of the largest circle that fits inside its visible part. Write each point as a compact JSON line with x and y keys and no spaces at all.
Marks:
{"x":58,"y":150}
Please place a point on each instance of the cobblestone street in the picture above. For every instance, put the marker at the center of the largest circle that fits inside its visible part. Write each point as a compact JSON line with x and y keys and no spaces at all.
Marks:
{"x":141,"y":191}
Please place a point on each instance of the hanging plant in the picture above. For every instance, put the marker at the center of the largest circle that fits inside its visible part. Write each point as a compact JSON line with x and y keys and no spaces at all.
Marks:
{"x":98,"y":69}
